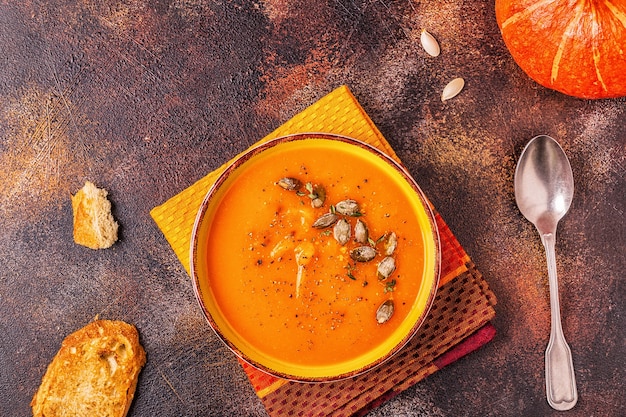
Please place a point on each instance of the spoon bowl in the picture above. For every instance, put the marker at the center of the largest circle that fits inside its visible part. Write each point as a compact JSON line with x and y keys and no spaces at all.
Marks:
{"x":544,"y":184}
{"x":544,"y":189}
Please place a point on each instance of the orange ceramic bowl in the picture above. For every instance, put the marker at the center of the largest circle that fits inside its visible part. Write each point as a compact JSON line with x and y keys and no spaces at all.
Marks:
{"x":292,"y":298}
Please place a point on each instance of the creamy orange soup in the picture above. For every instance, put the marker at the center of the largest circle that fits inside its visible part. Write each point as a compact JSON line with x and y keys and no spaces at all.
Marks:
{"x":327,"y":313}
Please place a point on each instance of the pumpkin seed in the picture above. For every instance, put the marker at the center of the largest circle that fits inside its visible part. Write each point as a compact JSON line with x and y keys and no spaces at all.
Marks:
{"x":429,"y":43}
{"x":361,"y":233}
{"x":348,"y":208}
{"x":341,"y":231}
{"x":391,"y":243}
{"x":384,"y":312}
{"x":453,"y":88}
{"x":386,"y":268}
{"x":317,"y":202}
{"x":317,"y":196}
{"x":363,"y":253}
{"x":289,"y":183}
{"x":326,"y":220}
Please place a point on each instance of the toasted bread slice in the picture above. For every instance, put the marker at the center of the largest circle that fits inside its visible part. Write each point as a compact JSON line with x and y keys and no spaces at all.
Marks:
{"x":94,"y":225}
{"x":94,"y":373}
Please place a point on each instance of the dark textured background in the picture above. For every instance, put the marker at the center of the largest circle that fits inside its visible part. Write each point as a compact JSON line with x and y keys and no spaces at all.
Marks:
{"x":145,"y":97}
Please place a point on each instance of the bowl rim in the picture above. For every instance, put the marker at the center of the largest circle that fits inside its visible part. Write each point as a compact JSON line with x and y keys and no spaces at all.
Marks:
{"x":245,"y":156}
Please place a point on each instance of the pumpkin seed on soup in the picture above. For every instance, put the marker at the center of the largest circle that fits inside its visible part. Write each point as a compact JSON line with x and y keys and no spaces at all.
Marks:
{"x":289,"y":184}
{"x":391,"y":242}
{"x":360,"y":232}
{"x":363,"y":253}
{"x":341,"y":231}
{"x":386,"y":268}
{"x":317,"y":203}
{"x":317,"y":196}
{"x":385,"y":311}
{"x":348,"y":208}
{"x":326,"y":220}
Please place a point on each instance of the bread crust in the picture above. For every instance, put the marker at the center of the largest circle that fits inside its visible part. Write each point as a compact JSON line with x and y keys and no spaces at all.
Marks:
{"x":94,"y":226}
{"x":94,"y":373}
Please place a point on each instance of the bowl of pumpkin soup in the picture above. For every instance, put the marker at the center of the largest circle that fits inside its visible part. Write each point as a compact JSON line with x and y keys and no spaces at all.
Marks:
{"x":315,"y":257}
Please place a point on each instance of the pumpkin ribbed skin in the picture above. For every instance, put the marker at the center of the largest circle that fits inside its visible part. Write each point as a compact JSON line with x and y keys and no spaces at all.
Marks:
{"x":577,"y":47}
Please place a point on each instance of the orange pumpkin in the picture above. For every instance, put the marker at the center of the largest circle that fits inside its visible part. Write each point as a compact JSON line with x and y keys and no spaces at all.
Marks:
{"x":577,"y":47}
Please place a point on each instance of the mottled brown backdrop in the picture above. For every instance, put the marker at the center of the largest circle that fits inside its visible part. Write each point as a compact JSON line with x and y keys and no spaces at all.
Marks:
{"x":145,"y":97}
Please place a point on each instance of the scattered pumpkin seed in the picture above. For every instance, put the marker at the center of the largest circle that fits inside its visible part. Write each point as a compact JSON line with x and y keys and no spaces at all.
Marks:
{"x":391,"y":243}
{"x":318,"y":196}
{"x":361,"y":233}
{"x":363,"y":253}
{"x":385,"y":311}
{"x":289,"y":184}
{"x":429,"y":43}
{"x":341,"y":231}
{"x":326,"y":220}
{"x":348,"y":208}
{"x":386,"y":268}
{"x":453,"y":88}
{"x":317,"y":203}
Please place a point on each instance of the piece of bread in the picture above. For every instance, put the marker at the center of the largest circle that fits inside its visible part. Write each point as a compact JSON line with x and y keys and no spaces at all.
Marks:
{"x":94,"y":373}
{"x":94,"y":225}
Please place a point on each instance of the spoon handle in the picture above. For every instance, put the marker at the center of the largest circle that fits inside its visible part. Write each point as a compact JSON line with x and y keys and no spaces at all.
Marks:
{"x":560,"y":380}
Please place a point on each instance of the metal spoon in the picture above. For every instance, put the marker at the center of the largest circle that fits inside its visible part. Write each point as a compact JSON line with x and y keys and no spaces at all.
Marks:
{"x":544,"y":187}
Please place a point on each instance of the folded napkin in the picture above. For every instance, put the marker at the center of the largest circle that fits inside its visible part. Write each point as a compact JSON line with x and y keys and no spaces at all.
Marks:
{"x":458,"y":323}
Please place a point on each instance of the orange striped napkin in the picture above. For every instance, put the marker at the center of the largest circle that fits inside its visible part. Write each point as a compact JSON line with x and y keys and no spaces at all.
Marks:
{"x":458,"y":322}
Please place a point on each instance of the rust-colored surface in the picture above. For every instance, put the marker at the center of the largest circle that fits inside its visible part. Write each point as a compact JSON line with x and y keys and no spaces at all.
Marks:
{"x":143,"y":98}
